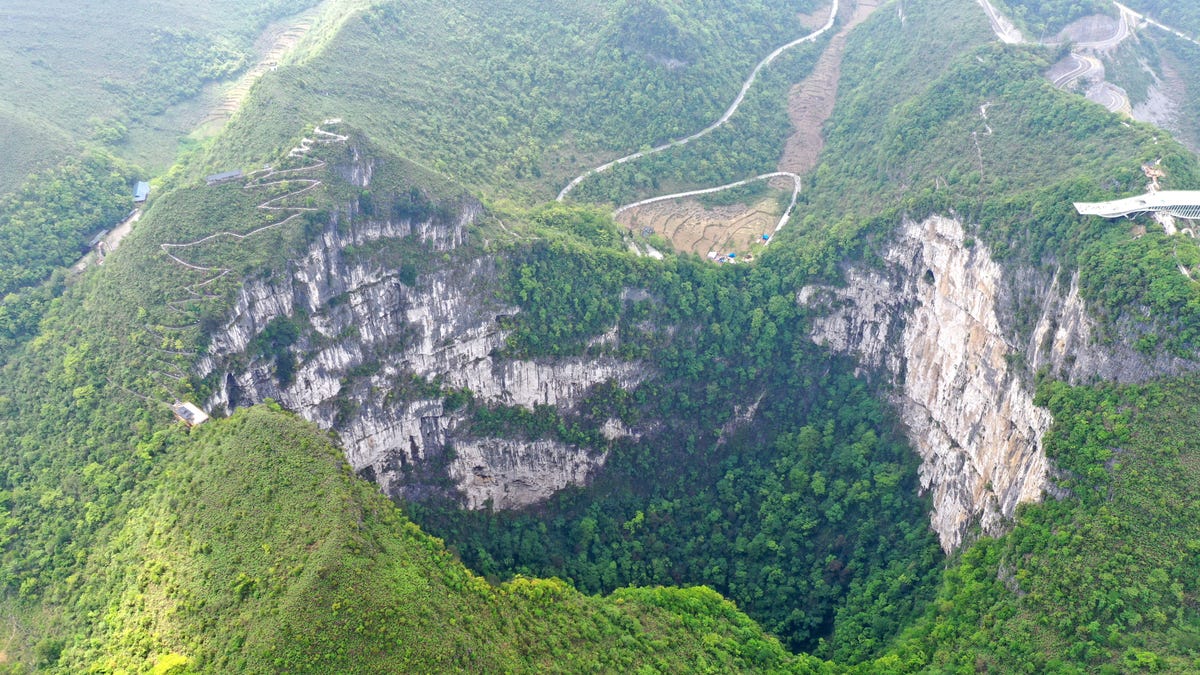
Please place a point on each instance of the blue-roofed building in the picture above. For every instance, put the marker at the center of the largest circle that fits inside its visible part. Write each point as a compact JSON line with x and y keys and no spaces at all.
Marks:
{"x":141,"y":192}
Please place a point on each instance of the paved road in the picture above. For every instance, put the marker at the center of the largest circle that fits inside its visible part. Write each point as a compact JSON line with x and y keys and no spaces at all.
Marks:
{"x":259,"y":179}
{"x":737,"y":102}
{"x":1084,"y":66}
{"x":1111,"y":97}
{"x":706,"y":191}
{"x":1106,"y":94}
{"x":1113,"y":40}
{"x":1156,"y":24}
{"x":1001,"y":26}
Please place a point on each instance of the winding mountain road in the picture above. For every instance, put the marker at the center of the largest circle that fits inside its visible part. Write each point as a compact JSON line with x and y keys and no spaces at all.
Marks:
{"x":737,"y":102}
{"x":260,"y":179}
{"x":707,"y":191}
{"x":1084,"y":66}
{"x":1112,"y":97}
{"x":1123,"y":31}
{"x":1001,"y":26}
{"x":1142,"y":17}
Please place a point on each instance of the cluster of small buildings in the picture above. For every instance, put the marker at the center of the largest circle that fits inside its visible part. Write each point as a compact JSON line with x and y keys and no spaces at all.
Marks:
{"x":730,"y":258}
{"x":722,"y":259}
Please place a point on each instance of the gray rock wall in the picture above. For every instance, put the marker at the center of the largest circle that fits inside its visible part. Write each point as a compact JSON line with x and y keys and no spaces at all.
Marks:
{"x":444,"y":328}
{"x":938,"y":320}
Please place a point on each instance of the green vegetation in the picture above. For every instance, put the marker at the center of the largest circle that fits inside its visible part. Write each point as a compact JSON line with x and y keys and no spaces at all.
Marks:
{"x":797,"y":524}
{"x":747,"y":145}
{"x":49,"y":222}
{"x":516,"y":114}
{"x":798,"y":514}
{"x":630,"y":529}
{"x":1180,"y":15}
{"x":252,"y":548}
{"x":181,"y":62}
{"x":1013,"y":187}
{"x":47,"y":225}
{"x":1181,"y":58}
{"x":1043,"y":19}
{"x":112,"y":74}
{"x":765,"y":469}
{"x":1105,"y":580}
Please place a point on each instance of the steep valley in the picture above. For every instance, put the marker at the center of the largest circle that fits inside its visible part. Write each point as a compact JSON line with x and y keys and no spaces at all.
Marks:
{"x":942,"y":423}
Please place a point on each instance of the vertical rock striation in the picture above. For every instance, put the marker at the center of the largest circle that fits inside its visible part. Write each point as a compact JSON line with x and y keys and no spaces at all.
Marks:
{"x":368,"y":334}
{"x":939,"y":319}
{"x":930,"y":321}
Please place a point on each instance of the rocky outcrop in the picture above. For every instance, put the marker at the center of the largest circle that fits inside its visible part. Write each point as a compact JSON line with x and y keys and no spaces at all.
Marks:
{"x":508,"y":474}
{"x":1065,"y":343}
{"x":938,"y":318}
{"x":370,"y":341}
{"x":930,"y":322}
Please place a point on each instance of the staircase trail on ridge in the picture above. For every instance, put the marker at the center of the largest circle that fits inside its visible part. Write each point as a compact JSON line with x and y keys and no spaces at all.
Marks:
{"x":261,"y":179}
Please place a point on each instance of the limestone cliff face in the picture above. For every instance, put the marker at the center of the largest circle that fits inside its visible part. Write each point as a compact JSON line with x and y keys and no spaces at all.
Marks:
{"x":930,"y":321}
{"x":370,"y":334}
{"x":512,"y":474}
{"x":938,"y":319}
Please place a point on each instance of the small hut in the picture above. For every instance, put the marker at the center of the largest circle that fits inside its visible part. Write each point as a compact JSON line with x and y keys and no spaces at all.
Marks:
{"x":223,"y":177}
{"x":189,"y":413}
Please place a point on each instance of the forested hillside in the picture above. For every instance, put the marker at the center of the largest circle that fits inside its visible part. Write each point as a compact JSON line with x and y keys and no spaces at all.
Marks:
{"x":251,"y":548}
{"x":1181,"y":15}
{"x":522,"y":114}
{"x":1042,"y":20}
{"x":74,"y":75}
{"x":84,"y":111}
{"x":1104,"y":581}
{"x":753,"y":499}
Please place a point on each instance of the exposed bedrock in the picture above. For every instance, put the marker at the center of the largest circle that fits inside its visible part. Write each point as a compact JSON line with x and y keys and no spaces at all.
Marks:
{"x":368,"y":334}
{"x":940,"y":320}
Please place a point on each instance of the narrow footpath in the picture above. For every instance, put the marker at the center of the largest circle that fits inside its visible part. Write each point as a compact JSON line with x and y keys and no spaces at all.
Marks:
{"x":261,"y":179}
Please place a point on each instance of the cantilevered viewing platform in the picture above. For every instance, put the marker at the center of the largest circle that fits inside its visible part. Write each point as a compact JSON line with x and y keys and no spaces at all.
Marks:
{"x":1177,"y":203}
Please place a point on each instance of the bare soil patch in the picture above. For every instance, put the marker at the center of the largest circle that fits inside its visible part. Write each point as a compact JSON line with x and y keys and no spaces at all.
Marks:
{"x":720,"y":230}
{"x":810,"y":103}
{"x":815,"y":20}
{"x":273,"y":46}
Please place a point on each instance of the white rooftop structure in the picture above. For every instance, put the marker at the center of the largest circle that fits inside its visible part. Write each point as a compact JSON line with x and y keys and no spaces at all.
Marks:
{"x":1178,"y":203}
{"x":189,"y":413}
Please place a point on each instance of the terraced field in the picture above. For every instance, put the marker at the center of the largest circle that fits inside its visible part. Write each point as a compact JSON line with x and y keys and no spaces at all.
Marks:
{"x":720,"y":230}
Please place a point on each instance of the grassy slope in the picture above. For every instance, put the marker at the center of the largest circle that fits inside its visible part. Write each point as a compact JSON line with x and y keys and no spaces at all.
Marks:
{"x":74,"y":440}
{"x":125,"y":545}
{"x":71,"y":65}
{"x":30,"y":144}
{"x":510,"y":112}
{"x":254,"y":549}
